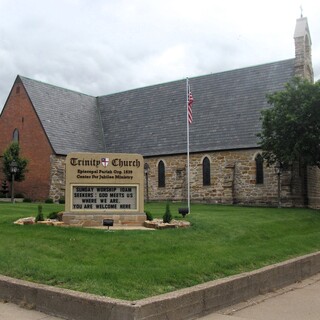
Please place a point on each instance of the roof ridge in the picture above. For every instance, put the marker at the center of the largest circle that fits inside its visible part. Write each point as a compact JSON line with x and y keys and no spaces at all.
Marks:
{"x":196,"y":77}
{"x":226,"y":112}
{"x":243,"y":68}
{"x":53,"y":85}
{"x":153,"y":85}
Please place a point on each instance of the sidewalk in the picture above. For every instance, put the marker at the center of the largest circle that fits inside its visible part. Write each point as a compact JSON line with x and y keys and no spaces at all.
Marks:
{"x":300,"y":301}
{"x":10,"y":311}
{"x":296,"y":302}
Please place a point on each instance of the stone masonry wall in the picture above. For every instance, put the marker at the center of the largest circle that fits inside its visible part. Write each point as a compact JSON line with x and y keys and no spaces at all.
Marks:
{"x":175,"y":174}
{"x":58,"y":177}
{"x":233,"y":180}
{"x":313,"y":187}
{"x":303,"y":62}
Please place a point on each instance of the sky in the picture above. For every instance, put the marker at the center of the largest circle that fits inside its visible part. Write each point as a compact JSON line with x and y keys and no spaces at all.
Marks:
{"x":100,"y":47}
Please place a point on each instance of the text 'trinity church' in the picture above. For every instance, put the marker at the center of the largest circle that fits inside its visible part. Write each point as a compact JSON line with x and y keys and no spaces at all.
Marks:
{"x":226,"y":165}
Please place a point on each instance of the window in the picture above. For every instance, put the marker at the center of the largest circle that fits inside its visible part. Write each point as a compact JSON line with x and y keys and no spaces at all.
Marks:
{"x":15,"y":135}
{"x":259,"y":169}
{"x":206,"y":172}
{"x":161,"y":175}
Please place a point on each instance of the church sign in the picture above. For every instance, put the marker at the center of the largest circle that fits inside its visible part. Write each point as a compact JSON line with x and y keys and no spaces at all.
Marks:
{"x":104,"y":185}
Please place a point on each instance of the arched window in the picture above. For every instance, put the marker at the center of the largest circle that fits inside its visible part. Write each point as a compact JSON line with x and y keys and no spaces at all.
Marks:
{"x":206,"y":172}
{"x":161,"y":175}
{"x":259,"y":169}
{"x":15,"y":135}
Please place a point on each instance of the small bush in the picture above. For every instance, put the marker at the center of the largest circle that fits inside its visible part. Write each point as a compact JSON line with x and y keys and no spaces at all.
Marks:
{"x":60,"y":215}
{"x":19,"y":195}
{"x":62,"y":200}
{"x":149,"y":216}
{"x":53,"y":215}
{"x":167,"y":217}
{"x":49,"y":200}
{"x":27,"y":200}
{"x":39,"y":216}
{"x":4,"y":190}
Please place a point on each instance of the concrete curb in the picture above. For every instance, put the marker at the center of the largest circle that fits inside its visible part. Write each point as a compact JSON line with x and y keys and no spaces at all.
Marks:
{"x":189,"y":303}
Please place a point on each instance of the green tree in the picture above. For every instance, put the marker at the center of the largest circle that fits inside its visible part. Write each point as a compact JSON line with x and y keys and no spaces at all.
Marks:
{"x":12,"y":153}
{"x":39,"y":216}
{"x":167,"y":217}
{"x":291,"y":128}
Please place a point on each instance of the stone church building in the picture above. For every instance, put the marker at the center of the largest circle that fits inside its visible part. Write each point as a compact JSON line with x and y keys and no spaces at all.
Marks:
{"x":225,"y":161}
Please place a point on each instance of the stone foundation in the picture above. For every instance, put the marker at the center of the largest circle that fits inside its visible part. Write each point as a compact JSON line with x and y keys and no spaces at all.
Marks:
{"x":96,"y":220}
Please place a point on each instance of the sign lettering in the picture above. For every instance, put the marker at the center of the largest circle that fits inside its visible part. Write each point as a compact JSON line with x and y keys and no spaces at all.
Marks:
{"x":104,"y":197}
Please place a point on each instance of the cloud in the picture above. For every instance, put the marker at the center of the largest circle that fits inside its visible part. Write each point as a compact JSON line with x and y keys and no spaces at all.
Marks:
{"x":100,"y":47}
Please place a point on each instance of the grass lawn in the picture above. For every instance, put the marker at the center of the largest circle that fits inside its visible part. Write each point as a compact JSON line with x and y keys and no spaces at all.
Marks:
{"x":222,"y":241}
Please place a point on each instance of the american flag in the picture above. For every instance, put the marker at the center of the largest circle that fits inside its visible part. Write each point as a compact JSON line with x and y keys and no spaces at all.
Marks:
{"x":190,"y":101}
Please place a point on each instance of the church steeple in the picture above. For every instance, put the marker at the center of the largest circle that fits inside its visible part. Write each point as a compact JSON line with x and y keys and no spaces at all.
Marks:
{"x":302,"y":40}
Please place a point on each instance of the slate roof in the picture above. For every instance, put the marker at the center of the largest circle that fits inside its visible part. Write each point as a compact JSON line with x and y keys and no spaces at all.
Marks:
{"x":70,"y":119}
{"x":152,"y":120}
{"x":226,"y":112}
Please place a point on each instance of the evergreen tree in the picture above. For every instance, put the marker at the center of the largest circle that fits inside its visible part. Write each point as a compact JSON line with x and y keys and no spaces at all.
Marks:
{"x":4,"y":188}
{"x":12,"y":153}
{"x":39,"y":216}
{"x":167,"y":217}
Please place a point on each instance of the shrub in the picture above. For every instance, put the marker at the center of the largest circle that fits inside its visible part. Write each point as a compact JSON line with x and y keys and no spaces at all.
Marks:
{"x":19,"y":195}
{"x":4,"y":190}
{"x":167,"y":217}
{"x":60,"y":215}
{"x":53,"y":215}
{"x":149,"y":216}
{"x":62,"y":200}
{"x":49,"y":200}
{"x":39,"y":216}
{"x":27,"y":200}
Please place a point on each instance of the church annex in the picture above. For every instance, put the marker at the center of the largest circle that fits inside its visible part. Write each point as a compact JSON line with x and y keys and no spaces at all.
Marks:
{"x":225,"y":161}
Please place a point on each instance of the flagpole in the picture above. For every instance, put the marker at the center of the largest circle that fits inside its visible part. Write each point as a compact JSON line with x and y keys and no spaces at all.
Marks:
{"x":188,"y":145}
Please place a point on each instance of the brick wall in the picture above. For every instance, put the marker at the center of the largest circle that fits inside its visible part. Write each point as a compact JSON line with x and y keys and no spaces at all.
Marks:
{"x":18,"y":113}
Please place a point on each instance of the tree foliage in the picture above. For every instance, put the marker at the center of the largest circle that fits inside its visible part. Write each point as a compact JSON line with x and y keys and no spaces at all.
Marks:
{"x":291,"y":128}
{"x":12,"y":153}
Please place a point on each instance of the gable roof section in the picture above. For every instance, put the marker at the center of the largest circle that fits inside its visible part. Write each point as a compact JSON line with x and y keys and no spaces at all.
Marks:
{"x":152,"y":120}
{"x":144,"y":120}
{"x":70,"y":119}
{"x":226,"y":112}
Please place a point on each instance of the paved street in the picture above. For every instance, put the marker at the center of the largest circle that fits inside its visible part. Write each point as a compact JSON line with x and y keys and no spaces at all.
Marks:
{"x":300,"y":301}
